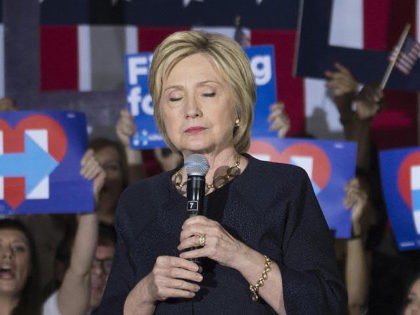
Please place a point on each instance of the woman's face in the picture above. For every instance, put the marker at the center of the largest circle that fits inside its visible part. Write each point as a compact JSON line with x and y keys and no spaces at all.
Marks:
{"x":110,"y":160}
{"x":197,"y":106}
{"x":14,"y":261}
{"x":413,"y":305}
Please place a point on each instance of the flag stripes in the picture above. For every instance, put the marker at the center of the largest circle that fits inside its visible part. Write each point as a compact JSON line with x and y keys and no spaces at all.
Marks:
{"x":408,"y":55}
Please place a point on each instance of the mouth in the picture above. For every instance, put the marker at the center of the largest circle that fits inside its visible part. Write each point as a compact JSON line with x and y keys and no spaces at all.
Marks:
{"x":6,"y":273}
{"x":194,"y":130}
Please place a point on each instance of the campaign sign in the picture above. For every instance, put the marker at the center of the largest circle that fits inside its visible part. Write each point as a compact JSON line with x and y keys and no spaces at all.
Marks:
{"x":329,"y":164}
{"x":139,"y":101}
{"x":262,"y":59}
{"x":400,"y":173}
{"x":40,"y":154}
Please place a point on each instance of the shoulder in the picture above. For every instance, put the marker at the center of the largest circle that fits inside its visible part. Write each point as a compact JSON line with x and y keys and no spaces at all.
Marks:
{"x":273,"y":171}
{"x":265,"y":180}
{"x":139,"y":201}
{"x":146,"y":188}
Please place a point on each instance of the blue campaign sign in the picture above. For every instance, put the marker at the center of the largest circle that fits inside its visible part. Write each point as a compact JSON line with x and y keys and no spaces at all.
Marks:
{"x":400,"y":173}
{"x":139,"y":101}
{"x":262,"y":59}
{"x":40,"y":154}
{"x":329,"y":164}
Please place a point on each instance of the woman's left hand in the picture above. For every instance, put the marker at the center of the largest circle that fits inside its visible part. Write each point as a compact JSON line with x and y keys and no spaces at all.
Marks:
{"x":92,"y":170}
{"x":219,"y":245}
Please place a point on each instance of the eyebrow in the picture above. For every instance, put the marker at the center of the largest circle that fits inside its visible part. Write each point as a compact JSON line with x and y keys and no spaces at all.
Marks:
{"x":202,"y":83}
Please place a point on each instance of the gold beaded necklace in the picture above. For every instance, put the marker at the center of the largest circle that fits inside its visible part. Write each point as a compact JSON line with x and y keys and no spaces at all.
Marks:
{"x":218,"y":181}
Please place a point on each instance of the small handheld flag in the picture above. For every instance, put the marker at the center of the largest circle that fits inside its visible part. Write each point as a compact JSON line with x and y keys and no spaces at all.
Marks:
{"x":404,"y":55}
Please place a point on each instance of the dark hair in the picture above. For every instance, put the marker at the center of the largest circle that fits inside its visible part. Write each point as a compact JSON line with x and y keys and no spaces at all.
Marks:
{"x":30,"y":297}
{"x":106,"y":234}
{"x":99,"y":143}
{"x":409,"y":284}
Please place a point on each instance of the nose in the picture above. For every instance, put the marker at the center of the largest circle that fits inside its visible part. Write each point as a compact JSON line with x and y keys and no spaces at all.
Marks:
{"x":193,"y":109}
{"x":6,"y":252}
{"x":97,"y":269}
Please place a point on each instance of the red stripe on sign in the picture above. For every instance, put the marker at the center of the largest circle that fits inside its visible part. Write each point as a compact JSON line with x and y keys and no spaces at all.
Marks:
{"x":59,"y":58}
{"x":396,"y":126}
{"x":289,"y":88}
{"x":402,"y":12}
{"x":14,"y":191}
{"x":149,"y":38}
{"x":384,"y":20}
{"x":376,"y":14}
{"x":13,"y":142}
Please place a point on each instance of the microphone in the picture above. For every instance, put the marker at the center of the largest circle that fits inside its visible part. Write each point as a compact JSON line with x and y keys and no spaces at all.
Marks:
{"x":196,"y":166}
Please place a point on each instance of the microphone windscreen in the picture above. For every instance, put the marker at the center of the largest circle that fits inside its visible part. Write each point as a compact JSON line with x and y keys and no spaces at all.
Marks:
{"x":196,"y":165}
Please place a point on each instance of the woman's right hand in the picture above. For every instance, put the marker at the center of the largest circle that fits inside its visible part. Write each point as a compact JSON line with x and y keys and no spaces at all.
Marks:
{"x":125,"y":127}
{"x":341,"y":81}
{"x":278,"y":119}
{"x":171,"y":277}
{"x":356,"y":200}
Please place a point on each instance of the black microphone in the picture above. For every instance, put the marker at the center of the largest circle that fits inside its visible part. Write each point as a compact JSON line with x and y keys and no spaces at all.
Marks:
{"x":196,"y":166}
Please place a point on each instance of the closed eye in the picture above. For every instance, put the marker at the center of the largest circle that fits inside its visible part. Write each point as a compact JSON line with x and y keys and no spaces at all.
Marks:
{"x":175,"y":99}
{"x":212,"y":94}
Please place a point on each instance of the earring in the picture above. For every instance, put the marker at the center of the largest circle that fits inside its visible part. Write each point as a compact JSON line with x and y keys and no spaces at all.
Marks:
{"x":237,"y":122}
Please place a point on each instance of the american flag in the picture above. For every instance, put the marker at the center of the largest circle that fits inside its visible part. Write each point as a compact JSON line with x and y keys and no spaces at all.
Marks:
{"x":408,"y":55}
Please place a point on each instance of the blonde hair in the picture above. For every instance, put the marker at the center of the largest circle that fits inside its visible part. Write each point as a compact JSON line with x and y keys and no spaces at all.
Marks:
{"x":229,"y":59}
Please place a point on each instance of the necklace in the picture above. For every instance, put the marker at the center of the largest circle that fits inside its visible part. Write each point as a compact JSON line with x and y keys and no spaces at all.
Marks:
{"x":218,"y":181}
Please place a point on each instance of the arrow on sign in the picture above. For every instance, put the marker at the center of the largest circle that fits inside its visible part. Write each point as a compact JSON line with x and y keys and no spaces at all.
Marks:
{"x":34,"y":164}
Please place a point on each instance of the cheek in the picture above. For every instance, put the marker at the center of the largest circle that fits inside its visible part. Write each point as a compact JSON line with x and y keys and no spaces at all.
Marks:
{"x":23,"y":267}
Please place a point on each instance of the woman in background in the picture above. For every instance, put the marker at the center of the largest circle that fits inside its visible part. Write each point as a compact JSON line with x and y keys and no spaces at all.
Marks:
{"x":19,"y":290}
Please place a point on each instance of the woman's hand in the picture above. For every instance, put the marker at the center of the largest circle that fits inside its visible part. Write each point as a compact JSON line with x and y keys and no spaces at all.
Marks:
{"x":356,"y":200}
{"x":92,"y":170}
{"x":278,"y":119}
{"x":341,"y":82}
{"x":369,"y":102}
{"x":125,"y":127}
{"x":172,"y":277}
{"x":219,"y":245}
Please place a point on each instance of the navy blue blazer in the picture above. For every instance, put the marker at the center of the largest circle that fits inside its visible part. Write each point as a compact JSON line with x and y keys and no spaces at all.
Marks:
{"x":271,"y":207}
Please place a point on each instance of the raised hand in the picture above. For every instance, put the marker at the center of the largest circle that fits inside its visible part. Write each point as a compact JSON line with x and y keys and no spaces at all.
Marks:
{"x":356,"y":199}
{"x":369,"y":101}
{"x":278,"y":119}
{"x":125,"y":127}
{"x":92,"y":170}
{"x":341,"y":82}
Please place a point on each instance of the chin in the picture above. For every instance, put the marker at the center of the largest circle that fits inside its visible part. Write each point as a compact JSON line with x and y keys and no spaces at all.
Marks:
{"x":200,"y":148}
{"x":95,"y":300}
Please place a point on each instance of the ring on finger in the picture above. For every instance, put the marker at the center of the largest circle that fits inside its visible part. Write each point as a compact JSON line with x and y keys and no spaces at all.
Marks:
{"x":202,"y":240}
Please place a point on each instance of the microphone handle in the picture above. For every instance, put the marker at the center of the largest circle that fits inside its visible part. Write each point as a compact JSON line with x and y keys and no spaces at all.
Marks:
{"x":195,"y":195}
{"x":196,"y":186}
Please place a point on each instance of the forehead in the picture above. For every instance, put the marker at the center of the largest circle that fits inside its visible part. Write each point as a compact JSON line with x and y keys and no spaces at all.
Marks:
{"x":12,"y":234}
{"x":104,"y":251}
{"x":198,"y":66}
{"x":107,"y":153}
{"x":416,"y":287}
